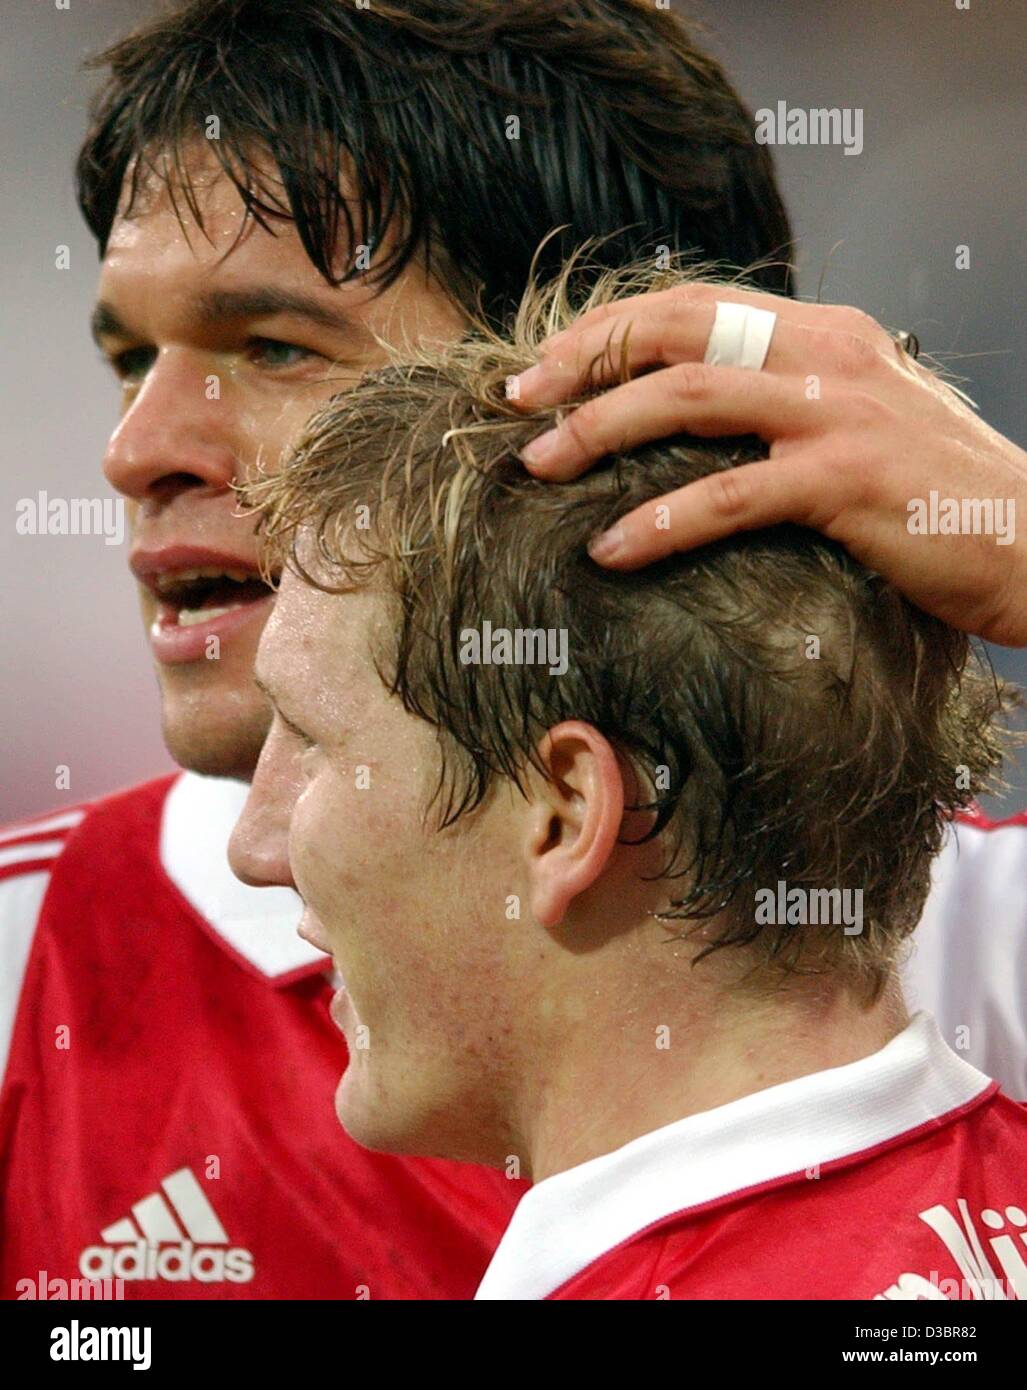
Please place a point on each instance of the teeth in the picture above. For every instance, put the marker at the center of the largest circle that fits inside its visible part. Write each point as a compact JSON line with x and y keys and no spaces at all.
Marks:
{"x":171,"y":581}
{"x":189,"y":617}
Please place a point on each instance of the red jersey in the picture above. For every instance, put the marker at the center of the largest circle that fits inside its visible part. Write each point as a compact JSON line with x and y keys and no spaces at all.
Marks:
{"x":167,"y":1113}
{"x":900,"y":1176}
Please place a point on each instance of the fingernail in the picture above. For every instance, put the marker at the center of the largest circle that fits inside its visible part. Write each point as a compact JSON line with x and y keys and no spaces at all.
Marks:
{"x":606,"y":545}
{"x":538,"y":450}
{"x":527,"y":381}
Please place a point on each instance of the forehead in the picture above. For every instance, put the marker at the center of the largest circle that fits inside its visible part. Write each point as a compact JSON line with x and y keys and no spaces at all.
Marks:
{"x":161,"y":234}
{"x":318,"y":647}
{"x":301,"y":629}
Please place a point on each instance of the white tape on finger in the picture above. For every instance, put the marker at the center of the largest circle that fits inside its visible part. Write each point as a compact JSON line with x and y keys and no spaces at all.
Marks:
{"x":740,"y":336}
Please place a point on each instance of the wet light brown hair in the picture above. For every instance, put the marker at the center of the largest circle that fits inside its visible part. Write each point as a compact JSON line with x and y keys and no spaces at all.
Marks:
{"x":760,"y":761}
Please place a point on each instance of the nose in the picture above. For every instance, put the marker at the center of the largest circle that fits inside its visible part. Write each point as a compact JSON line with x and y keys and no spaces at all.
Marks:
{"x":258,"y":851}
{"x":175,"y":434}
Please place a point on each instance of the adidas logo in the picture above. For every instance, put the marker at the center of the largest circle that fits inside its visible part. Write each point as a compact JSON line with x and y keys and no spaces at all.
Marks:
{"x":156,"y":1246}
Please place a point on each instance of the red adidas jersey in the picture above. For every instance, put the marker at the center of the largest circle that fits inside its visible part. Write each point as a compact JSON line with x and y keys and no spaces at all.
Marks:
{"x":901,"y":1176}
{"x":167,"y":1113}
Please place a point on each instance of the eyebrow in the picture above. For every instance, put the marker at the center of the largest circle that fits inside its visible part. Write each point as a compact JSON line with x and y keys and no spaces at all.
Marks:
{"x":104,"y":323}
{"x":228,"y":306}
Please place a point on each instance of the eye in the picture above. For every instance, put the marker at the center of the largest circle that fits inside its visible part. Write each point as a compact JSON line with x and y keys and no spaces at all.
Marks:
{"x":304,"y":740}
{"x":131,"y":365}
{"x":270,"y":352}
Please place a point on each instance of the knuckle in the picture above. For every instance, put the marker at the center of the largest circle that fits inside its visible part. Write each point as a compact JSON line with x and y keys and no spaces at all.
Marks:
{"x":845,"y":353}
{"x":690,"y":380}
{"x":602,"y":313}
{"x":848,"y":318}
{"x":662,"y":337}
{"x":691,"y":292}
{"x":854,"y":355}
{"x":821,"y":343}
{"x":730,"y":492}
{"x":868,"y":411}
{"x":579,"y":428}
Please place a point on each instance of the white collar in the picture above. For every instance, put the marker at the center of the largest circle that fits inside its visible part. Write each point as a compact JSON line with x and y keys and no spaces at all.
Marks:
{"x":569,"y":1220}
{"x":255,"y":925}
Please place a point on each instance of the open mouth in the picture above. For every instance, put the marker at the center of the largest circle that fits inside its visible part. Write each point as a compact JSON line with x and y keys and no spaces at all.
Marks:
{"x":193,"y":596}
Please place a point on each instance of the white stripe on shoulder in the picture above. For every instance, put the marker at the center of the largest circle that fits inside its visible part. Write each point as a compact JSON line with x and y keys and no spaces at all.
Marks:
{"x":66,"y":820}
{"x":21,"y":897}
{"x":27,"y":854}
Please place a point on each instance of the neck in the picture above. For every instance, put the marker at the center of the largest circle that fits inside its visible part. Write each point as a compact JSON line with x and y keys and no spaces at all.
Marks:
{"x":633,"y":1065}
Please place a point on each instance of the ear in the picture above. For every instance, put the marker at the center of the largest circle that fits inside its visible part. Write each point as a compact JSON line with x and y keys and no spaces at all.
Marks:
{"x":574,"y":818}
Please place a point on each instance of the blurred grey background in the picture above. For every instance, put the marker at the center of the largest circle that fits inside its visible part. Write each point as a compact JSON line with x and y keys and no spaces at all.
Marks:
{"x":942,"y":165}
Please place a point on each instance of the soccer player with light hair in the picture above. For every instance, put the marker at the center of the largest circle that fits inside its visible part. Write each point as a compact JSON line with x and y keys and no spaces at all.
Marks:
{"x":617,"y":869}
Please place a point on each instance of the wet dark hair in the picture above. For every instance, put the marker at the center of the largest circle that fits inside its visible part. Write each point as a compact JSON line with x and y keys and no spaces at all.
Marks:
{"x":469,"y":130}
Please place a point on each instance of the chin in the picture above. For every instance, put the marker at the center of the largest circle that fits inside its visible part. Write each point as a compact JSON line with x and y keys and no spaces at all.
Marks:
{"x":395,"y":1122}
{"x":214,"y":736}
{"x":373,"y":1116}
{"x":365,"y":1124}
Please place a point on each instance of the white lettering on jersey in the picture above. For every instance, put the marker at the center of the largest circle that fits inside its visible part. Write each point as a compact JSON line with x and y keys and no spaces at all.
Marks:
{"x":962,"y":1241}
{"x":152,"y":1245}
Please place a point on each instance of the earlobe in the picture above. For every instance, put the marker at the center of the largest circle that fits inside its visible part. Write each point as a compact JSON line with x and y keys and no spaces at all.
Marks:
{"x":575,"y":819}
{"x":548,"y":849}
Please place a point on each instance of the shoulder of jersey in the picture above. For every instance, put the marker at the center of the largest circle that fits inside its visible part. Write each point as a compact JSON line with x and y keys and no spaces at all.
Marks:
{"x":975,"y":817}
{"x":35,"y":845}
